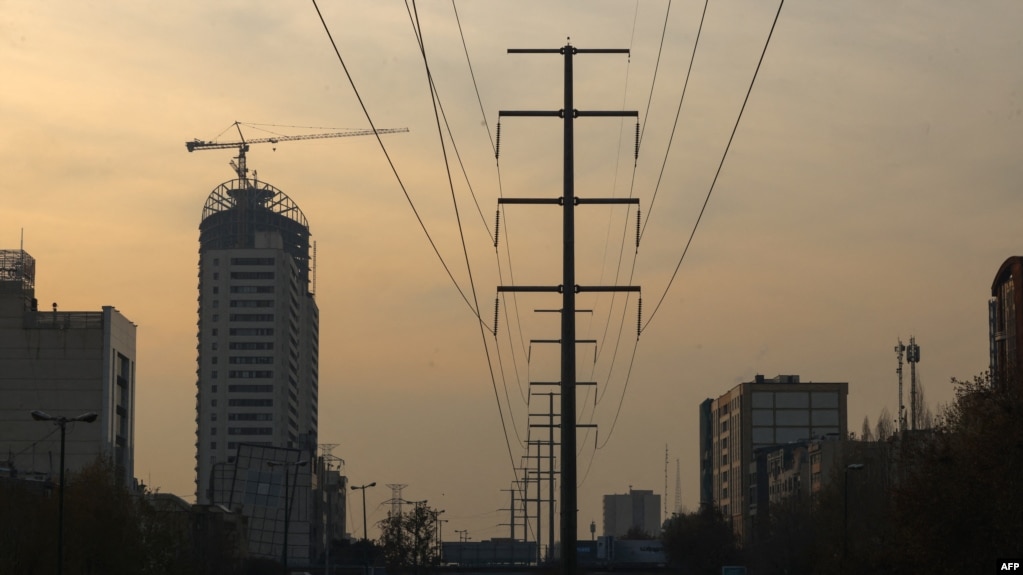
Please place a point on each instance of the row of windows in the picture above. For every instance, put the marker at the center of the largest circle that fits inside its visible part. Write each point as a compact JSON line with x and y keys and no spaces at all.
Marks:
{"x":250,"y":374}
{"x":259,"y":359}
{"x":251,"y":345}
{"x":252,"y":303}
{"x":252,"y":261}
{"x":251,"y":331}
{"x":250,"y":388}
{"x":248,"y":402}
{"x":250,"y":416}
{"x":250,"y":431}
{"x":250,"y":317}
{"x":250,"y":289}
{"x":249,"y":275}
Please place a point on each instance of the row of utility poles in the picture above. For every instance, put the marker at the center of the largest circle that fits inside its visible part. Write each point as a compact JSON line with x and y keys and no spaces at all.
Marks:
{"x":568,"y":289}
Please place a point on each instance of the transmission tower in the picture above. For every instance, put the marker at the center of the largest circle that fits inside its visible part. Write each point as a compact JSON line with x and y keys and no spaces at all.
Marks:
{"x":396,"y":499}
{"x":568,"y":289}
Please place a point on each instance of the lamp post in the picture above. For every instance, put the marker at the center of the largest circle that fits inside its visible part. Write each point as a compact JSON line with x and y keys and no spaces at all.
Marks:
{"x":362,"y":488}
{"x":845,"y":512}
{"x":287,"y":501}
{"x":62,"y":422}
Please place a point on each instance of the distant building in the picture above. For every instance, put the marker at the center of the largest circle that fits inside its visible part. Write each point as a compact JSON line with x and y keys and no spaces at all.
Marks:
{"x":63,"y":363}
{"x":258,"y":328}
{"x":755,"y":415}
{"x":1005,"y":320}
{"x":637,"y":509}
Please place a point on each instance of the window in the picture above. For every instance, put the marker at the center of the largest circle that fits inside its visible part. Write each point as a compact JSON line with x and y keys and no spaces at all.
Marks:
{"x":216,"y":290}
{"x":216,"y":275}
{"x":216,"y":317}
{"x":213,"y":431}
{"x":213,"y":374}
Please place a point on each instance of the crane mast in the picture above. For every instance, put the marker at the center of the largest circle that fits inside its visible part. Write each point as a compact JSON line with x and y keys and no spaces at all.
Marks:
{"x":238,"y":163}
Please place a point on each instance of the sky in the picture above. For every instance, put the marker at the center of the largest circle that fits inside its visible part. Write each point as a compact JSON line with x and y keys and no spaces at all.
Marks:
{"x":869,"y":194}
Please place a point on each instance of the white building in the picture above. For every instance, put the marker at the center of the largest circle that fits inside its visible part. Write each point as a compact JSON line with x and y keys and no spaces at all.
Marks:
{"x":65,"y":364}
{"x":637,"y":509}
{"x":258,"y":329}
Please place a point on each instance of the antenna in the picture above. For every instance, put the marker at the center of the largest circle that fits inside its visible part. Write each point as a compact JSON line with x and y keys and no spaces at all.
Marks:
{"x":913,"y":357}
{"x":678,"y":487}
{"x":899,"y":350}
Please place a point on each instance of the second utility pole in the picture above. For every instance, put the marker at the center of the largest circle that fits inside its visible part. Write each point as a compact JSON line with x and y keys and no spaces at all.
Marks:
{"x":568,"y":289}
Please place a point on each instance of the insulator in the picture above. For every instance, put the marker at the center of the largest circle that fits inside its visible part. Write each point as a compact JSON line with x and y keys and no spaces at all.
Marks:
{"x":497,"y":144}
{"x":639,"y":318}
{"x":637,"y":227}
{"x":497,"y":304}
{"x":635,"y":154}
{"x":497,"y":227}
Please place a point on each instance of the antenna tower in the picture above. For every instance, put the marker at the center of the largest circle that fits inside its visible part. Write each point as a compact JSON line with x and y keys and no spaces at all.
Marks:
{"x":665,"y":480}
{"x":913,"y":357}
{"x":678,"y":487}
{"x":899,"y":350}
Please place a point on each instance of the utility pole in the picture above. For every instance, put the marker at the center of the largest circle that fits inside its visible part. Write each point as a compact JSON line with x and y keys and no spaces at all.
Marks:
{"x":568,"y":289}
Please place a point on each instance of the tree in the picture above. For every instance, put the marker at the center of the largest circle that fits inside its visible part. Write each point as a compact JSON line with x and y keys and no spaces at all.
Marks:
{"x":407,"y":540}
{"x":700,"y":542}
{"x":959,"y":502}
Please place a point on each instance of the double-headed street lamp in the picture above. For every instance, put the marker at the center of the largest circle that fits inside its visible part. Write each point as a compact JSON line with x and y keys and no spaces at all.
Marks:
{"x":362,"y":488}
{"x":62,"y":422}
{"x":287,"y":501}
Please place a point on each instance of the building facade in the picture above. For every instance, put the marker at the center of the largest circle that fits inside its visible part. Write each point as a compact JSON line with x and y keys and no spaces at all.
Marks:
{"x":637,"y":509}
{"x":756,"y":415}
{"x":65,"y":364}
{"x":258,"y":329}
{"x":1005,"y":320}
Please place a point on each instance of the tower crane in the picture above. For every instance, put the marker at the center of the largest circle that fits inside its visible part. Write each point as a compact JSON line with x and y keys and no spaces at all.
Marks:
{"x":243,"y":145}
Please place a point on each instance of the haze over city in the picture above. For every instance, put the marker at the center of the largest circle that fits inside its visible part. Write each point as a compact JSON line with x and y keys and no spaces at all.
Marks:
{"x":870,"y":193}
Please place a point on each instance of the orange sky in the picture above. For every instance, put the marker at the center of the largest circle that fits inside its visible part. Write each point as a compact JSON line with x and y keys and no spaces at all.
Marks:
{"x":871,"y":193}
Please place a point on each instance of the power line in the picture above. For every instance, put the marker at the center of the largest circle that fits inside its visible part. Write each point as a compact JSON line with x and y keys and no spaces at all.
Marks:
{"x":718,"y":172}
{"x":678,"y":113}
{"x":390,"y":162}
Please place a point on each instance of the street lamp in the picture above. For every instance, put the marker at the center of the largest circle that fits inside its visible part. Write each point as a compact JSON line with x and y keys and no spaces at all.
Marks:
{"x":62,"y":422}
{"x":287,"y":501}
{"x":845,"y":511}
{"x":362,"y":488}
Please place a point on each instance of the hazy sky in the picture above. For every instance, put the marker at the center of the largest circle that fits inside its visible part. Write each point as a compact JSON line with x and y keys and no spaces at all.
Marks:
{"x":871,"y":192}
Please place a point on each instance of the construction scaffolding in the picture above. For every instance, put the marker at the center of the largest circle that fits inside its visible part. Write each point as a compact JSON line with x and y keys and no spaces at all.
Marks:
{"x":18,"y":266}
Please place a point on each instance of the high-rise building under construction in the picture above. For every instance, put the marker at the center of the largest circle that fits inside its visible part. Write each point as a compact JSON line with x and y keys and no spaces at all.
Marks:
{"x":258,"y":329}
